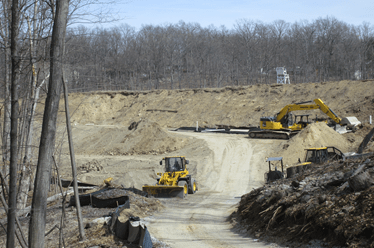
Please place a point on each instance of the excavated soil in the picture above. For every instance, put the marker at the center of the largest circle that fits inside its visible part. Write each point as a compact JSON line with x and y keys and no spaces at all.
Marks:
{"x":236,"y":106}
{"x":123,"y":135}
{"x":146,"y":137}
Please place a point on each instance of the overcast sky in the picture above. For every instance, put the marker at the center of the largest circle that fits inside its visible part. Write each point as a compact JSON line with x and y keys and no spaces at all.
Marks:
{"x":224,"y":12}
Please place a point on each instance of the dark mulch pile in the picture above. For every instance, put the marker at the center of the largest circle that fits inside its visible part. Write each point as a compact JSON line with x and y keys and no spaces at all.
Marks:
{"x":317,"y":205}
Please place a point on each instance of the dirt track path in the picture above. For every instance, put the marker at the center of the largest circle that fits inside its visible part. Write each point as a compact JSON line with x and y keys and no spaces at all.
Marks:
{"x":236,"y":167}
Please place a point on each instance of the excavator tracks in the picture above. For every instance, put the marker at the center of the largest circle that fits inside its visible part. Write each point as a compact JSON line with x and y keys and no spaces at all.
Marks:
{"x":271,"y":134}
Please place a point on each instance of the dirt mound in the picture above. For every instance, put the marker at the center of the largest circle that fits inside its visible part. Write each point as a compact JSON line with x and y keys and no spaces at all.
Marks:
{"x":147,"y":138}
{"x":314,"y":135}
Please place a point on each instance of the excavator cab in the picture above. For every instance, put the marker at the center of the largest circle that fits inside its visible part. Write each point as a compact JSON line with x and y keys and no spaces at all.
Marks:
{"x":303,"y":120}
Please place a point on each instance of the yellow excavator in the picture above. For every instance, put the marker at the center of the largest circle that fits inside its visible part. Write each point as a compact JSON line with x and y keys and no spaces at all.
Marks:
{"x":175,"y":181}
{"x":283,"y":125}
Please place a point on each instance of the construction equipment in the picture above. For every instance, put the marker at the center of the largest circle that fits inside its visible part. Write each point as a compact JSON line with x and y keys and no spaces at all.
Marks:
{"x":322,"y":155}
{"x":175,"y":182}
{"x":283,"y":125}
{"x":315,"y":156}
{"x":275,"y":174}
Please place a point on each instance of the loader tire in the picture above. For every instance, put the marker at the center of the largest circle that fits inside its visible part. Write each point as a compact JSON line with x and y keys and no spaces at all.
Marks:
{"x":192,"y":187}
{"x":185,"y":187}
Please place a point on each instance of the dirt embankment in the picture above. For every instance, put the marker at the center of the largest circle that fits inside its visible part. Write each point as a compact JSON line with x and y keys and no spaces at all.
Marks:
{"x":237,"y":106}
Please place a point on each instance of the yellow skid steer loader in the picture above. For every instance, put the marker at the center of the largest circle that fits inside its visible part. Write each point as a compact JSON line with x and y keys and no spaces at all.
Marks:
{"x":175,"y":181}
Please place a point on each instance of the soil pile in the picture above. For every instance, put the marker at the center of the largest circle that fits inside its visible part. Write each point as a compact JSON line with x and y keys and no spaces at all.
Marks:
{"x":146,"y":138}
{"x":317,"y":205}
{"x":314,"y":135}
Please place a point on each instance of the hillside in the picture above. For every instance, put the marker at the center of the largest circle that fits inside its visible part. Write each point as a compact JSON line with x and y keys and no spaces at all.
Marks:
{"x":237,"y":106}
{"x":124,"y":135}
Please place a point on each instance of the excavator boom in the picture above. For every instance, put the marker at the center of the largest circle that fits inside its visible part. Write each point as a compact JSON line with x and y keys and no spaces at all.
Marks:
{"x":282,"y":126}
{"x":318,"y":104}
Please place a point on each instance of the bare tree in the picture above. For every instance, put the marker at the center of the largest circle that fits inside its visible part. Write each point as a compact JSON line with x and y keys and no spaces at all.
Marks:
{"x":47,"y":140}
{"x":7,"y":85}
{"x":12,"y":210}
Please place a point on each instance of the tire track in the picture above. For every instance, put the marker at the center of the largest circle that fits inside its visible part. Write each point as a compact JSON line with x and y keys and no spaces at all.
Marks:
{"x":200,"y":220}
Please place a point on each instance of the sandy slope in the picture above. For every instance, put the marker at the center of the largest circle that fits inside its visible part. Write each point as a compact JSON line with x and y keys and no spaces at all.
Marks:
{"x":236,"y":166}
{"x":226,"y":166}
{"x":238,"y":106}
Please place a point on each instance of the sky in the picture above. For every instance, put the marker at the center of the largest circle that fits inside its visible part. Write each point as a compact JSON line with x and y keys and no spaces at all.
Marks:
{"x":225,"y":12}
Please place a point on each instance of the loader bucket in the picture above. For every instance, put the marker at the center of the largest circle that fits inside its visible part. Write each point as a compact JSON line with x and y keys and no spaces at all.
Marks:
{"x":164,"y":191}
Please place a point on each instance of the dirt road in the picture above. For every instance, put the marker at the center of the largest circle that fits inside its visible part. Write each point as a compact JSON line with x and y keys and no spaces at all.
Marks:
{"x":236,"y":165}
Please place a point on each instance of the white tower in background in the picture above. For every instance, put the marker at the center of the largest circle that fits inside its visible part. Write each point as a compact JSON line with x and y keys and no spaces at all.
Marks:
{"x":282,"y":76}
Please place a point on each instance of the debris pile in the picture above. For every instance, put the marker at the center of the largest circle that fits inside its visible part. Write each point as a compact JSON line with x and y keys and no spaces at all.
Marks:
{"x":93,"y":165}
{"x":332,"y":203}
{"x":97,"y":227}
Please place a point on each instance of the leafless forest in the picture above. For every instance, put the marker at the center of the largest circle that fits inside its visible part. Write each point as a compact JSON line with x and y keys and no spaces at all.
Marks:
{"x":186,"y":55}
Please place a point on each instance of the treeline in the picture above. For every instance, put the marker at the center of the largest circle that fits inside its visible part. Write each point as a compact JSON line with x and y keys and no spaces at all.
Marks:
{"x":186,"y":55}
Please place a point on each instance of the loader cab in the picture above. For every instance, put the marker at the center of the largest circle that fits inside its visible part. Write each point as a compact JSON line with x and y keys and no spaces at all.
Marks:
{"x":173,"y":164}
{"x":323,"y":154}
{"x":316,"y":155}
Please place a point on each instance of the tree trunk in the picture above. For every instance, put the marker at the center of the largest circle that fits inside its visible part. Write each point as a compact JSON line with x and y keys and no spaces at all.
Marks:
{"x":12,"y":211}
{"x":47,"y":140}
{"x":7,"y":110}
{"x":25,"y":180}
{"x":7,"y":105}
{"x":73,"y":166}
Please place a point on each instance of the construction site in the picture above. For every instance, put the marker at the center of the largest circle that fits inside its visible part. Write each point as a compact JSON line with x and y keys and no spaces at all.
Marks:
{"x":225,"y":197}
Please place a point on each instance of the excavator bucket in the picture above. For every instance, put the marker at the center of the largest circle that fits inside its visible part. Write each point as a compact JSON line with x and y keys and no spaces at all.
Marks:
{"x":165,"y":191}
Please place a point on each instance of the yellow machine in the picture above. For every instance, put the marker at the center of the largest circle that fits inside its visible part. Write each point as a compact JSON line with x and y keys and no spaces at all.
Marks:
{"x":321,"y":155}
{"x":175,"y":181}
{"x":284,"y":126}
{"x":315,"y":156}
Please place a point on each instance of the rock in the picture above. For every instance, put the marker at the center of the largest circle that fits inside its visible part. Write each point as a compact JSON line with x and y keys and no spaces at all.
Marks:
{"x":305,"y":198}
{"x":360,"y":181}
{"x":321,"y":198}
{"x":295,"y":184}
